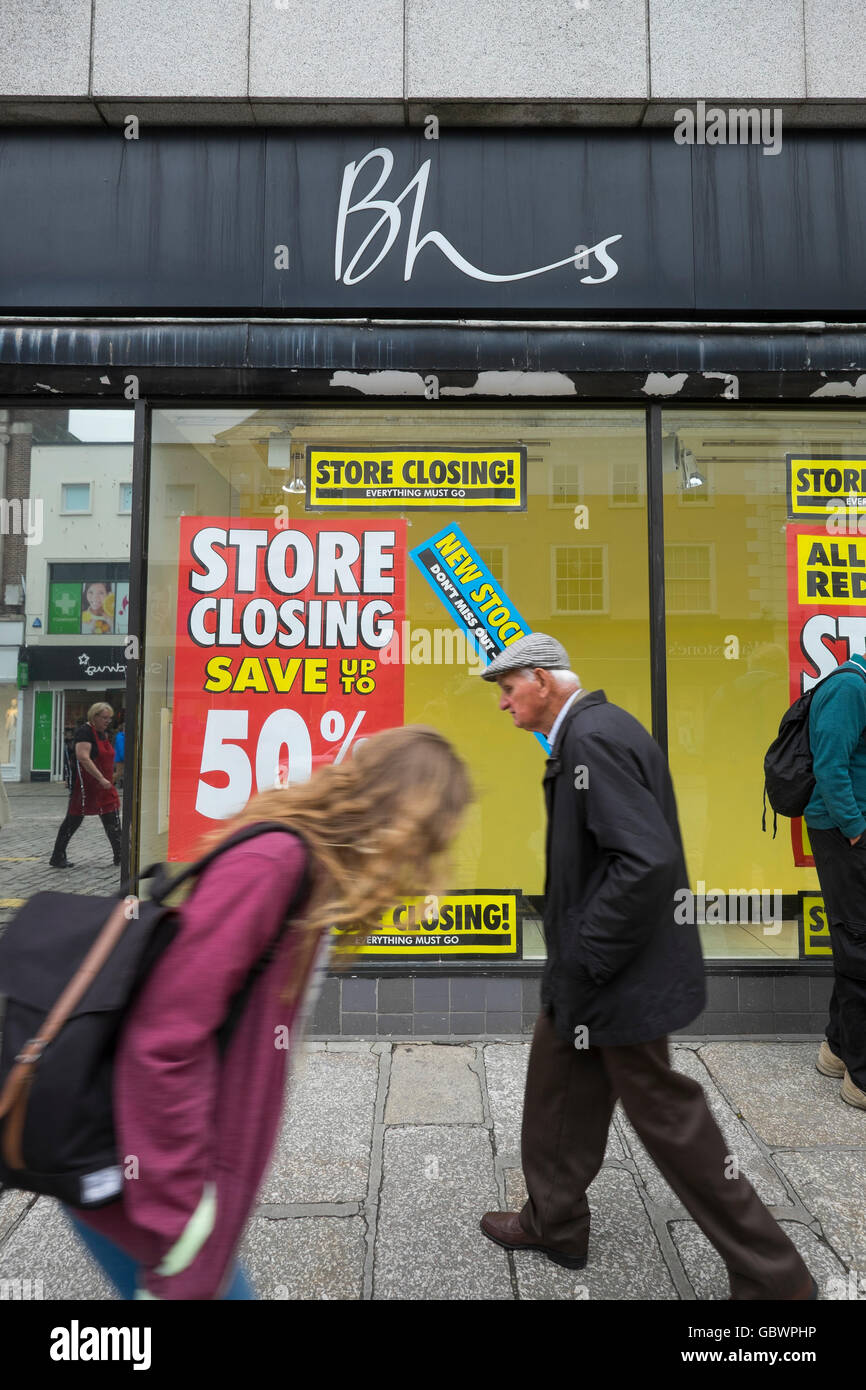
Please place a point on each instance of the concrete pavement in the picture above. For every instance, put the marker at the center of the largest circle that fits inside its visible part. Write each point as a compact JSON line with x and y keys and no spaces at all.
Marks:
{"x":390,"y":1152}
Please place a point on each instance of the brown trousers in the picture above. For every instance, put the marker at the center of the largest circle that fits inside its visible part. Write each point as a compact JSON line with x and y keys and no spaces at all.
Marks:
{"x":570,"y":1097}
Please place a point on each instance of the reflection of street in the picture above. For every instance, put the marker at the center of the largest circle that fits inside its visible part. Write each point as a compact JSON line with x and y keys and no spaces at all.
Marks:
{"x":36,"y":810}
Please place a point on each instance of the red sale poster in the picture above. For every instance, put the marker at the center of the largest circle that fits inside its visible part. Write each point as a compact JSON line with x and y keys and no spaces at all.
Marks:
{"x":826,"y":614}
{"x":279,"y":635}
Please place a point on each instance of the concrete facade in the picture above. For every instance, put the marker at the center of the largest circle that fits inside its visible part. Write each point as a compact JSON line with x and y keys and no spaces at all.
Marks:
{"x":581,"y":62}
{"x":101,"y":534}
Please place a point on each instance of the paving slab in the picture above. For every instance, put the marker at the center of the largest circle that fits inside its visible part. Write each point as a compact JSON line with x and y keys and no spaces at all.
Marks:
{"x":778,"y":1091}
{"x":708,"y":1276}
{"x":832,"y":1186}
{"x":505,"y":1068}
{"x":750,"y":1159}
{"x":322,"y":1152}
{"x":13,"y":1205}
{"x":437,"y":1184}
{"x":625,"y":1260}
{"x":305,"y":1258}
{"x":433,"y":1084}
{"x":44,"y":1248}
{"x":516,"y":1194}
{"x":37,"y":808}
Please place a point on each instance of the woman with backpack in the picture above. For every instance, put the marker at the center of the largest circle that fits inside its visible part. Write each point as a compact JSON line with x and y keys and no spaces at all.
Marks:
{"x":196,"y":1116}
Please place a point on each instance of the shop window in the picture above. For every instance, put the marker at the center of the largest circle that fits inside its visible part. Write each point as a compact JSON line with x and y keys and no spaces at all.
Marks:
{"x":215,"y":727}
{"x":626,"y":483}
{"x":124,"y":498}
{"x":689,"y":578}
{"x":59,"y":655}
{"x":580,"y":579}
{"x":90,"y":599}
{"x":180,"y":499}
{"x":9,"y":712}
{"x":744,"y":633}
{"x":75,"y":499}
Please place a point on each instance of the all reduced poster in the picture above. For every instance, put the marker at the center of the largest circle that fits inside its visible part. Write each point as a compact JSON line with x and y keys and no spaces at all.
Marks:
{"x":278,"y":635}
{"x":826,"y":614}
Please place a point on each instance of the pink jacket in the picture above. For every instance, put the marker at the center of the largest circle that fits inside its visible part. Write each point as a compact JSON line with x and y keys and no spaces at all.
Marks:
{"x":195,"y":1131}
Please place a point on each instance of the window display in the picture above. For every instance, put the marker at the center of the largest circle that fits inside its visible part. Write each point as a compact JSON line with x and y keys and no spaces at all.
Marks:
{"x":344,"y":572}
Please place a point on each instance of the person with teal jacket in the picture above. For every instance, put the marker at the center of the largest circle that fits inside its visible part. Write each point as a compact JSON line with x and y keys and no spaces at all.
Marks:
{"x":836,"y":819}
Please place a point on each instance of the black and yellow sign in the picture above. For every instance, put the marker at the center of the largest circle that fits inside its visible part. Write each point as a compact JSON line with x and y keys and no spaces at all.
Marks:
{"x":449,"y":477}
{"x":813,"y":929}
{"x":831,"y":570}
{"x":460,"y":924}
{"x":818,"y":486}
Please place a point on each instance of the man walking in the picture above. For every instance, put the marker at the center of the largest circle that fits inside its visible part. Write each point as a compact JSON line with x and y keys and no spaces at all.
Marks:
{"x":834,"y":815}
{"x":620,"y":975}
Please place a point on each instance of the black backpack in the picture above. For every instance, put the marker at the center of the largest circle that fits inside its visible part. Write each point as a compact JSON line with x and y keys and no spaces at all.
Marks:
{"x":788,"y":777}
{"x":56,"y":1110}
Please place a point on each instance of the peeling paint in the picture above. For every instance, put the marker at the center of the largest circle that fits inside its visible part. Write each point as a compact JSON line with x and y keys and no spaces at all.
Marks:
{"x":660,"y":384}
{"x":486,"y":384}
{"x":381,"y":383}
{"x":55,"y":390}
{"x":515,"y":384}
{"x":842,"y":388}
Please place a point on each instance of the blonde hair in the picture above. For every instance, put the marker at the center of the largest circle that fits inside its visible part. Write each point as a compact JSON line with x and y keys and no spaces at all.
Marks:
{"x":98,"y":709}
{"x":374,"y":825}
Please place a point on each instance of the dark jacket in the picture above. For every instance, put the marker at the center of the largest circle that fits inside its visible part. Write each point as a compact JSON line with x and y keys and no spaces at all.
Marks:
{"x":617,"y":962}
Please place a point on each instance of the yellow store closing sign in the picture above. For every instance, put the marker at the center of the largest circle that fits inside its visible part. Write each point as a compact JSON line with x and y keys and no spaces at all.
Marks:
{"x":814,"y":932}
{"x":450,"y":476}
{"x":815,"y":485}
{"x":461,"y":924}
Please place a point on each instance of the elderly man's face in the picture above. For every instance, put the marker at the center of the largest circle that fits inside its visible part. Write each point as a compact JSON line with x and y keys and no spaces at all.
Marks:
{"x":525,"y":698}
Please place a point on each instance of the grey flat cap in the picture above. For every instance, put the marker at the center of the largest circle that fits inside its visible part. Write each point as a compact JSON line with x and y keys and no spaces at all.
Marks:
{"x":535,"y":650}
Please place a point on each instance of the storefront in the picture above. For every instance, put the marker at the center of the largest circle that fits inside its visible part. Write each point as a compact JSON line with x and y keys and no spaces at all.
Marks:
{"x":598,"y":385}
{"x":62,"y":684}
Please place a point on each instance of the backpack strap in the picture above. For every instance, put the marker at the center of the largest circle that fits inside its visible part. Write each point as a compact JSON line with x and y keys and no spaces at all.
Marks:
{"x":164,"y":884}
{"x":764,"y":816}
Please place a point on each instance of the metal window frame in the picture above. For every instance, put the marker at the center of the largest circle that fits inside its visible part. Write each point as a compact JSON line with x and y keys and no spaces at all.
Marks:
{"x":139,"y":523}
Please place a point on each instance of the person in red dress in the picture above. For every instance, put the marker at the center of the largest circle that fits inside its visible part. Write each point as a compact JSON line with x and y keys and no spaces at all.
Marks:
{"x":93,"y":789}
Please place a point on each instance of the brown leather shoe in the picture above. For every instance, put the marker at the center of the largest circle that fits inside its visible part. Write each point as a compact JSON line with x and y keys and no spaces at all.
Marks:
{"x":505,"y":1229}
